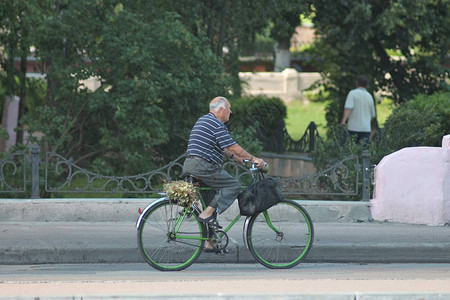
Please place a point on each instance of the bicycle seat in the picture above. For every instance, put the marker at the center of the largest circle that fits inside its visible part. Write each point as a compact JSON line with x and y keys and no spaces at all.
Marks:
{"x":194,"y":180}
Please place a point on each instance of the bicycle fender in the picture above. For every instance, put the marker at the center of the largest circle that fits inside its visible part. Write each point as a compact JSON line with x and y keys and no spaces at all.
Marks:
{"x":156,"y":201}
{"x":244,"y":231}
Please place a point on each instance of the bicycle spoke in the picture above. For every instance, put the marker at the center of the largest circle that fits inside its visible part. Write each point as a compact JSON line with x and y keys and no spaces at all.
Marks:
{"x":164,"y":248}
{"x":282,"y":236}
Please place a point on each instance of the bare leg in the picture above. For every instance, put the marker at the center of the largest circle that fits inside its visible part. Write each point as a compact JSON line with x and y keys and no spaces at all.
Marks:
{"x":207,"y":212}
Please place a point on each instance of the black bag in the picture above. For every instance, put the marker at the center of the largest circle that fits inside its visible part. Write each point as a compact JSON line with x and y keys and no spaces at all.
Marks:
{"x":259,"y":197}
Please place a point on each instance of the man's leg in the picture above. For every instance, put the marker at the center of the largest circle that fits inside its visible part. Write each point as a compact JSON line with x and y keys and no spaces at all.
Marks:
{"x":363,"y":137}
{"x":228,"y":189}
{"x":212,"y":175}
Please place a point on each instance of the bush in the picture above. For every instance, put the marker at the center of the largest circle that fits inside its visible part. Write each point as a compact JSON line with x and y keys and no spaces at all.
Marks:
{"x":421,"y":122}
{"x":336,"y":148}
{"x":246,"y":138}
{"x":265,"y":115}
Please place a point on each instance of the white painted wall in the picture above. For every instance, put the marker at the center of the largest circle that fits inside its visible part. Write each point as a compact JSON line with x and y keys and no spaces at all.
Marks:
{"x":412,"y":186}
{"x":288,"y":84}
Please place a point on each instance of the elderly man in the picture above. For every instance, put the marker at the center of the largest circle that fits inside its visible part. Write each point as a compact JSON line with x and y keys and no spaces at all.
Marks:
{"x":209,"y":142}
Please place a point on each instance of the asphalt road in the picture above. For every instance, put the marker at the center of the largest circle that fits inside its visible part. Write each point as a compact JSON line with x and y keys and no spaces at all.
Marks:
{"x":226,"y":281}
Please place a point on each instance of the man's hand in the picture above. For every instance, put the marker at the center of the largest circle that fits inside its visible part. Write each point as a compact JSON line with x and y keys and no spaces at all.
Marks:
{"x":239,"y":154}
{"x":260,"y":163}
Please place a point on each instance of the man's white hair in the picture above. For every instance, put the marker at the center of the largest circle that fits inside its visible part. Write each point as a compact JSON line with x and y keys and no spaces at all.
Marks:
{"x":221,"y":102}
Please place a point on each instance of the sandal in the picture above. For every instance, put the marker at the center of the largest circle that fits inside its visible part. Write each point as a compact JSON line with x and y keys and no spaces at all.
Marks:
{"x":211,"y":221}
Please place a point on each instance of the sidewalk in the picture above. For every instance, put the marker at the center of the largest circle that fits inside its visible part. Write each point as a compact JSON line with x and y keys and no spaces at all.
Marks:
{"x":345,"y":239}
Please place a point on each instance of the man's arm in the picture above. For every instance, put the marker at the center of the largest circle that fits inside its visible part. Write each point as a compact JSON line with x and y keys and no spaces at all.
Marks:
{"x":347,"y":112}
{"x":238,"y":154}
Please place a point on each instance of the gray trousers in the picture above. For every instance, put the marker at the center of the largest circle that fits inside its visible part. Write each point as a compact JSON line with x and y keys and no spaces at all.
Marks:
{"x":213,"y":176}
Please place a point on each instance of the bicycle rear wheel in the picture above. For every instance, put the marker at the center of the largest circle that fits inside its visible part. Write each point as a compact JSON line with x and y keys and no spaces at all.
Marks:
{"x":281,"y":237}
{"x":170,"y":237}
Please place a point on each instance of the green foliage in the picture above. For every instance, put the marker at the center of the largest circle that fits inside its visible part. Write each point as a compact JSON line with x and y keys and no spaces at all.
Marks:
{"x":266,"y":115}
{"x":421,"y":122}
{"x":4,"y":133}
{"x":17,"y":31}
{"x":156,"y":79}
{"x":246,"y":137}
{"x":231,"y":27}
{"x":399,"y":45}
{"x":336,"y":148}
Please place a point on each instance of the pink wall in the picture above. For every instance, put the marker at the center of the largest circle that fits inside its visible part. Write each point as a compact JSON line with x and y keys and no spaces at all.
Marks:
{"x":412,"y":186}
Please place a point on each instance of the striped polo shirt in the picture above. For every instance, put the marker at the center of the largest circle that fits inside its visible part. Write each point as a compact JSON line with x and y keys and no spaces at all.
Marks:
{"x":209,"y":137}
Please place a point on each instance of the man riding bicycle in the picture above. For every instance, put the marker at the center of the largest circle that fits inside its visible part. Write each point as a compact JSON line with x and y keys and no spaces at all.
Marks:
{"x":209,"y":142}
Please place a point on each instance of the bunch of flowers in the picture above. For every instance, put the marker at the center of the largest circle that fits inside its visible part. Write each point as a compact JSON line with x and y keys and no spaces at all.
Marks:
{"x":184,"y":193}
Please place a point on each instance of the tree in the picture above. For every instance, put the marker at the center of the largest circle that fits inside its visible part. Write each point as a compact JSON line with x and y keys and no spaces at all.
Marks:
{"x":156,"y":78}
{"x":285,"y":19}
{"x":230,"y":25}
{"x":17,"y":19}
{"x":400,"y":45}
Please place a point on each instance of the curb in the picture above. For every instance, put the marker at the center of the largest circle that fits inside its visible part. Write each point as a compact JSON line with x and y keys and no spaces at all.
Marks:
{"x":126,"y":210}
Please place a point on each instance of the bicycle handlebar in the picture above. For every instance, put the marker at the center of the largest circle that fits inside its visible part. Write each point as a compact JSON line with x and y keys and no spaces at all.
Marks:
{"x":254,"y":167}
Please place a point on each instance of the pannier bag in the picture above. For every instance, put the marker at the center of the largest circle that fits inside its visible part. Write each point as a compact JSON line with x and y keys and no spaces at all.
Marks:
{"x":259,"y":197}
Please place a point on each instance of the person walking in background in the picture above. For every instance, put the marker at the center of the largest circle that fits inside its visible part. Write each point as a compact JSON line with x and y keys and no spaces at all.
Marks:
{"x":359,"y":110}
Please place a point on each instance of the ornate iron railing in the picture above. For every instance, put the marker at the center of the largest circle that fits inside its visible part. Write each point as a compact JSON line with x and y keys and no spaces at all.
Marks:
{"x":281,"y":141}
{"x":341,"y":178}
{"x":13,"y":173}
{"x":305,"y":144}
{"x":63,"y":176}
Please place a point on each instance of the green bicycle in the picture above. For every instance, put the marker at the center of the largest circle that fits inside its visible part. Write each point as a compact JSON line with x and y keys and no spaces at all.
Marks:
{"x":170,"y":238}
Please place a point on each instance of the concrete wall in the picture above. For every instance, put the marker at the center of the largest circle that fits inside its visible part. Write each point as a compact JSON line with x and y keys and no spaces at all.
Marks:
{"x":413,"y":186}
{"x":288,"y":85}
{"x":126,"y":210}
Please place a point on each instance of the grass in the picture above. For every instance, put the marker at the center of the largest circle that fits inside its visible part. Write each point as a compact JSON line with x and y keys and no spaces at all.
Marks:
{"x":301,"y":113}
{"x":384,"y":110}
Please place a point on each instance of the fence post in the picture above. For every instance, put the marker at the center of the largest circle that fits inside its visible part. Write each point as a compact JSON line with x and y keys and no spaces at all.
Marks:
{"x":35,"y":160}
{"x":311,"y":131}
{"x":365,"y":175}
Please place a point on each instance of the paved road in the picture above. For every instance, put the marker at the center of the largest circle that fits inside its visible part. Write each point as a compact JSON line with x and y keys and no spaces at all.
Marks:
{"x":115,"y":242}
{"x":228,"y":281}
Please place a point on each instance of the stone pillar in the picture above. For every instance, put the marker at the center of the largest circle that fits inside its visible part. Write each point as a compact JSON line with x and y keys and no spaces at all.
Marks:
{"x":290,"y":85}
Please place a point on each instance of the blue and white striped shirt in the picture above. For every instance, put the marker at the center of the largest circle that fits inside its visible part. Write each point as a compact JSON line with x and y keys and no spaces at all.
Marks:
{"x":209,"y":137}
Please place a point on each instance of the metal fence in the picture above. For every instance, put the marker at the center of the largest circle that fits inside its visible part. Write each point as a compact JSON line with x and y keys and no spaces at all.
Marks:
{"x":305,"y":144}
{"x":21,"y":170}
{"x":281,"y":141}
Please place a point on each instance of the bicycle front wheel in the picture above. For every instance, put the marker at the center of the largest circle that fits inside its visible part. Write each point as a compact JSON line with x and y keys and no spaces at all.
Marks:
{"x":170,"y":238}
{"x":280,"y":237}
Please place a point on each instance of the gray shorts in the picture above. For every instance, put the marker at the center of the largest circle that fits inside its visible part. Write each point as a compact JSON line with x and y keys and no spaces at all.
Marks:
{"x":213,"y":176}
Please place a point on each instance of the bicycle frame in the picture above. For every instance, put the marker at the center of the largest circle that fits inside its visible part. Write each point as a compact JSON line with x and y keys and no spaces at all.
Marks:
{"x":186,"y":211}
